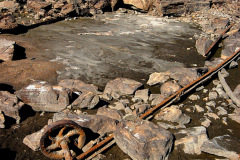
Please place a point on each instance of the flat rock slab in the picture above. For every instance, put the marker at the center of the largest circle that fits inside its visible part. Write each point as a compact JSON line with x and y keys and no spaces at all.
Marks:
{"x":143,"y":140}
{"x":41,"y":96}
{"x":10,"y":105}
{"x":121,"y":86}
{"x":112,"y":113}
{"x":87,"y":100}
{"x":6,"y":49}
{"x":225,"y":146}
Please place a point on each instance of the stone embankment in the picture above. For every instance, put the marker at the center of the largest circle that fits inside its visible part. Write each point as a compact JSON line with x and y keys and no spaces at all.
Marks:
{"x":184,"y":126}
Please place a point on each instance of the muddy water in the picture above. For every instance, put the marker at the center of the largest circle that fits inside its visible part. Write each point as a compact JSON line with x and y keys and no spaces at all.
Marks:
{"x":117,"y":45}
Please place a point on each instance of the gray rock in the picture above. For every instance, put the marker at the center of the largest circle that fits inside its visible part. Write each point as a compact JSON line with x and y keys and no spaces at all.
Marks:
{"x":233,"y":64}
{"x":156,"y":78}
{"x":202,"y":44}
{"x":224,"y":146}
{"x":140,"y":108}
{"x":198,"y":108}
{"x":169,"y":88}
{"x":41,"y":96}
{"x":212,"y":115}
{"x":173,"y":114}
{"x":213,"y":95}
{"x":118,"y":105}
{"x":194,"y":97}
{"x":206,"y":122}
{"x":220,"y":23}
{"x":142,"y":94}
{"x":192,"y":140}
{"x":97,"y":123}
{"x":184,"y":76}
{"x":143,"y":140}
{"x":10,"y":105}
{"x":112,"y":113}
{"x":169,"y":126}
{"x":211,"y":103}
{"x":156,"y":99}
{"x":121,"y":86}
{"x":78,"y":85}
{"x":87,"y":100}
{"x":6,"y":49}
{"x":221,"y":93}
{"x":221,"y":111}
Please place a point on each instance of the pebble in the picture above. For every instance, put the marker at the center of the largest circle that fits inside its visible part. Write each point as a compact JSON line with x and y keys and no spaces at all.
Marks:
{"x":194,"y":97}
{"x":213,"y":95}
{"x":211,"y":103}
{"x":198,"y":108}
{"x":206,"y":123}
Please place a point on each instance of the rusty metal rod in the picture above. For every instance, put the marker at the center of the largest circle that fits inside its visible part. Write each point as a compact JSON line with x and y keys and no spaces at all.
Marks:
{"x":214,"y":43}
{"x":97,"y":146}
{"x":170,"y":99}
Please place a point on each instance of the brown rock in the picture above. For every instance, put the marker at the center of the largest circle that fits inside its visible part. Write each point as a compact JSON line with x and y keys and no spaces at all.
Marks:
{"x":156,"y":78}
{"x":235,"y":115}
{"x":6,"y":50}
{"x":143,"y":140}
{"x":10,"y":6}
{"x":112,"y":113}
{"x":142,"y":94}
{"x":10,"y":105}
{"x":36,"y":5}
{"x":8,"y":22}
{"x":2,"y":120}
{"x":169,"y":88}
{"x":237,"y":91}
{"x":97,"y":123}
{"x":67,"y":9}
{"x":173,"y":114}
{"x":202,"y":44}
{"x":156,"y":99}
{"x":140,"y":108}
{"x":41,"y":96}
{"x":87,"y":100}
{"x":140,"y":4}
{"x":121,"y":86}
{"x":78,"y":85}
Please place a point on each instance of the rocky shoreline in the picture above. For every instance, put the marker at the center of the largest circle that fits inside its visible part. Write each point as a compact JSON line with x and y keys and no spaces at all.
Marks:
{"x":189,"y":128}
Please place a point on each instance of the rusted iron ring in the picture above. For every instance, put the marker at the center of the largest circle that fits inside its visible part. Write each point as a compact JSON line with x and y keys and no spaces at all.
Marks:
{"x":59,"y":137}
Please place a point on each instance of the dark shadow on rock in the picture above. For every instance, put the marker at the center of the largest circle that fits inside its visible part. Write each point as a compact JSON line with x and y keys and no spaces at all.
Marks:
{"x":19,"y":53}
{"x":6,"y":87}
{"x":73,"y":98}
{"x":9,"y":121}
{"x":8,"y":154}
{"x":1,"y":61}
{"x":25,"y":112}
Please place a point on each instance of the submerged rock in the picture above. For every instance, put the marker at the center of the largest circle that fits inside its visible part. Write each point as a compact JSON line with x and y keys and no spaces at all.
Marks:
{"x":143,"y":140}
{"x":10,"y":105}
{"x":41,"y":96}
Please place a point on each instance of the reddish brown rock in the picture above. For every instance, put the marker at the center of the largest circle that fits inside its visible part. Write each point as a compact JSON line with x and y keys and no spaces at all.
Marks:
{"x":6,"y":50}
{"x":36,"y":5}
{"x":41,"y":96}
{"x":10,"y":105}
{"x":10,"y":6}
{"x":8,"y":22}
{"x":143,"y":140}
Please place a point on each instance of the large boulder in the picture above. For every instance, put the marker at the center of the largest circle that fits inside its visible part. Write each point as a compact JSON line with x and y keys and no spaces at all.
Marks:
{"x":97,"y":123}
{"x":10,"y":105}
{"x":143,"y":140}
{"x":121,"y":86}
{"x":6,"y":50}
{"x":41,"y":96}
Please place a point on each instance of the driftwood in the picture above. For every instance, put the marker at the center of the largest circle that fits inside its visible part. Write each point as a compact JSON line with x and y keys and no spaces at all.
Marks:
{"x":228,"y":90}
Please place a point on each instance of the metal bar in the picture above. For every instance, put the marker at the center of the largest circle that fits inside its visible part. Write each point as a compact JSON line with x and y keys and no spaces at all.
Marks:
{"x":168,"y":101}
{"x":214,"y":43}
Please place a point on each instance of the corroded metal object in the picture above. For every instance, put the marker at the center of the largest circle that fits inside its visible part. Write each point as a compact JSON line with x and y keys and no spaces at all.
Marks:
{"x":61,"y":139}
